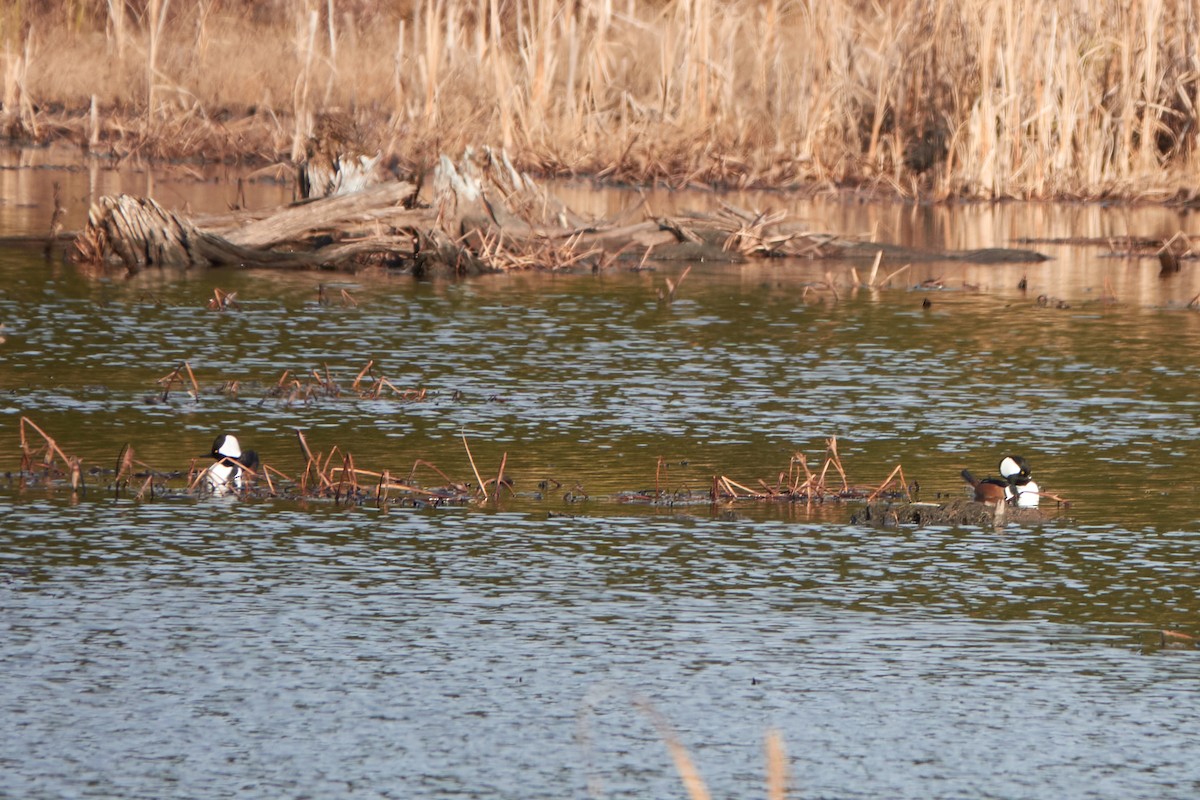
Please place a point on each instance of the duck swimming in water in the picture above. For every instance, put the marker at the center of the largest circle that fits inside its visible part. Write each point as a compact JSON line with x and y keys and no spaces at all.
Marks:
{"x":1015,"y":484}
{"x":228,"y":471}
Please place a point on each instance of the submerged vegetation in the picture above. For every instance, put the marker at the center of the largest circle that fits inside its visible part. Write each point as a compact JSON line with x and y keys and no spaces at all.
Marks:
{"x":984,"y":98}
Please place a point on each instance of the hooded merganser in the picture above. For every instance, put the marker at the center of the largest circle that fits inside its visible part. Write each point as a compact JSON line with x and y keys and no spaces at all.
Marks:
{"x":230,"y":464}
{"x":1014,"y":485}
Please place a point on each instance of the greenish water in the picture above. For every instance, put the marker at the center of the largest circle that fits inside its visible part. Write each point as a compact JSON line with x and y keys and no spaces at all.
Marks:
{"x":274,"y":648}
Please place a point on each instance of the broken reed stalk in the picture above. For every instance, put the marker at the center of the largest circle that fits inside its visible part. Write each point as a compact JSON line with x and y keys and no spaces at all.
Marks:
{"x":837,"y":298}
{"x":731,"y":488}
{"x":474,"y":469}
{"x":381,"y":490}
{"x":51,"y":447}
{"x":311,"y":465}
{"x":222,"y":300}
{"x":673,"y":286}
{"x":420,"y":462}
{"x":899,"y":470}
{"x":175,"y":376}
{"x":124,"y":469}
{"x":361,"y":373}
{"x":325,"y":467}
{"x":192,"y":378}
{"x":831,"y":446}
{"x":147,"y":485}
{"x":875,"y":269}
{"x":500,"y":479}
{"x":266,"y":473}
{"x":347,"y":470}
{"x":76,"y":473}
{"x":888,"y":279}
{"x":799,"y":458}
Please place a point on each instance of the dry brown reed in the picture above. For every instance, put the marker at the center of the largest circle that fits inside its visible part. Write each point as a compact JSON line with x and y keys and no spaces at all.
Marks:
{"x":49,"y":449}
{"x":668,"y":296}
{"x":800,"y":483}
{"x":222,"y":300}
{"x":478,"y":480}
{"x":176,"y":378}
{"x":983,"y":98}
{"x":50,"y":452}
{"x":336,"y":475}
{"x":778,"y":775}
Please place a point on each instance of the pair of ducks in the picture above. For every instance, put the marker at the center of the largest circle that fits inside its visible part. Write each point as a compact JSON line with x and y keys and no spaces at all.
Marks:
{"x":1015,"y":484}
{"x":230,"y":463}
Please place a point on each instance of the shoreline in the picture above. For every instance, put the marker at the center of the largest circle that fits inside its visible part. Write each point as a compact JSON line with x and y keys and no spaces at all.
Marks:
{"x":915,"y":101}
{"x":122,"y":142}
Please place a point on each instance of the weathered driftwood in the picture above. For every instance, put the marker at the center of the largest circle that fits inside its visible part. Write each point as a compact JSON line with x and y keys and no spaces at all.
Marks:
{"x":484,"y":216}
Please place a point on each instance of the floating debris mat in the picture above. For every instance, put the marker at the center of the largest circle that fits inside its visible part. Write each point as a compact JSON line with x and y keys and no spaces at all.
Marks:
{"x":957,"y":513}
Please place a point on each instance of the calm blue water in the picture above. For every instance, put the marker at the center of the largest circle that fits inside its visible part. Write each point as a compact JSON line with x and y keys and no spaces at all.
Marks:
{"x":271,"y":651}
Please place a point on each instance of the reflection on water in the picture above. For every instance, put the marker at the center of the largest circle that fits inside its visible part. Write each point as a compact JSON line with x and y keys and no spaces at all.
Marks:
{"x":215,"y":648}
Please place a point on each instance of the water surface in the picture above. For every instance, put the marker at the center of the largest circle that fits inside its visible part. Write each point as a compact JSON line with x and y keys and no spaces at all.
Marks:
{"x":209,"y":648}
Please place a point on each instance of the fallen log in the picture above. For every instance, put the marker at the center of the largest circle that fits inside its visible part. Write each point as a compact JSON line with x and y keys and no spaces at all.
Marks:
{"x":484,"y":216}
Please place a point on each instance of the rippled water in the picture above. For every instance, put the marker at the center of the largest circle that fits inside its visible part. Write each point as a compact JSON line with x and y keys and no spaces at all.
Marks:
{"x":175,"y":647}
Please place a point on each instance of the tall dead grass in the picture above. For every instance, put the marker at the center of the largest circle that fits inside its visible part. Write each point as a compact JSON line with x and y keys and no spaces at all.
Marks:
{"x":978,"y":98}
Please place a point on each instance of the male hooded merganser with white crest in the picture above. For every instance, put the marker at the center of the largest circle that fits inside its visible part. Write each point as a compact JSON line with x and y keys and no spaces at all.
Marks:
{"x":230,"y":465}
{"x":1014,"y":485}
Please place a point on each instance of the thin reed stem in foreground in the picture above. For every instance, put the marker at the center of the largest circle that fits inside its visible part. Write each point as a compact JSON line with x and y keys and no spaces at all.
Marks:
{"x":478,"y":480}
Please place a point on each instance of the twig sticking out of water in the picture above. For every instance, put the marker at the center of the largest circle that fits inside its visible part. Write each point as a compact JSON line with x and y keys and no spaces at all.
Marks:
{"x":501,"y":479}
{"x":312,"y":466}
{"x":174,"y":377}
{"x":478,"y":480}
{"x":800,"y":483}
{"x":49,"y":448}
{"x":836,"y":461}
{"x":875,"y":269}
{"x":223,"y":300}
{"x":375,"y":388}
{"x":730,"y":488}
{"x":829,"y":284}
{"x":899,"y":470}
{"x":124,"y":469}
{"x":668,"y":297}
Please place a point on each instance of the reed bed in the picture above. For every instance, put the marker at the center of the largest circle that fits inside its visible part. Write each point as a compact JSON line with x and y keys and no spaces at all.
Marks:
{"x":798,"y":484}
{"x":981,"y":98}
{"x":335,"y":474}
{"x":332,"y":475}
